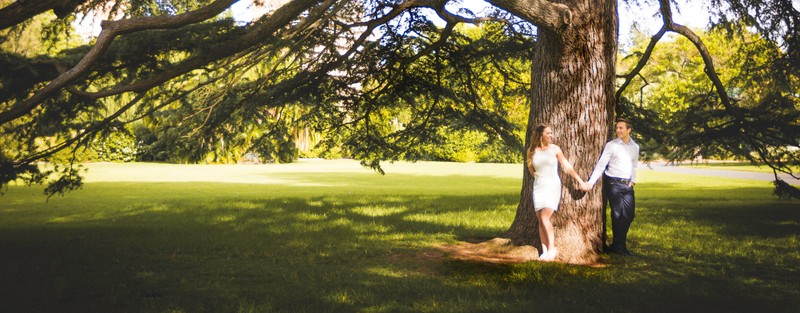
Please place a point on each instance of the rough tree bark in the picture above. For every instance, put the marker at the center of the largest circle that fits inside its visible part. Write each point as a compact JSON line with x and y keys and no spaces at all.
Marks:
{"x":572,"y":80}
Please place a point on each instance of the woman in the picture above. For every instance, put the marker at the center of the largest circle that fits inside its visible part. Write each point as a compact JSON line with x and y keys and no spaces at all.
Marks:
{"x":543,"y":158}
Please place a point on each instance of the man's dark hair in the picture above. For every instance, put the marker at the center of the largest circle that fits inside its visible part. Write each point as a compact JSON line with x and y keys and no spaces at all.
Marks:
{"x":627,"y":122}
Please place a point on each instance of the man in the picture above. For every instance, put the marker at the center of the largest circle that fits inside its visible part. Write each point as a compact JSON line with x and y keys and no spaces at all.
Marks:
{"x":617,"y":164}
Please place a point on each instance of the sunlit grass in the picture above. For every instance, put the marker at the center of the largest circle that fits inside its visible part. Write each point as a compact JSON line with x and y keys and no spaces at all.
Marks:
{"x":734,"y":166}
{"x":331,"y":236}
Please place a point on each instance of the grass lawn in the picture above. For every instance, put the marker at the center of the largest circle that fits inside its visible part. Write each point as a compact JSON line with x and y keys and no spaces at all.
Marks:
{"x":331,"y":236}
{"x":734,"y":166}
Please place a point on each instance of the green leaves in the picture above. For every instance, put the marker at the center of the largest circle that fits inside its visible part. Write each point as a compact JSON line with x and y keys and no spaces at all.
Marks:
{"x":681,"y":117}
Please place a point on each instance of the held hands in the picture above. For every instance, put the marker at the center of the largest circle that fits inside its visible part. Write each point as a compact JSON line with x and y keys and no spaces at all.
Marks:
{"x":585,"y":187}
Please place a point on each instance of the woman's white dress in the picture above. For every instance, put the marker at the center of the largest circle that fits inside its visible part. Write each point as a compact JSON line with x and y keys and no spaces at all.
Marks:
{"x":546,"y":183}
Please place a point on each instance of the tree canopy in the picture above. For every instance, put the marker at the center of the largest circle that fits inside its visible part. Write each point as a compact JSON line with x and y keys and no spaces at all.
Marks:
{"x":378,"y":78}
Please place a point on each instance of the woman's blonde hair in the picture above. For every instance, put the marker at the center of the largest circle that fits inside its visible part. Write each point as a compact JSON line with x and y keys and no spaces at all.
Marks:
{"x":536,"y":142}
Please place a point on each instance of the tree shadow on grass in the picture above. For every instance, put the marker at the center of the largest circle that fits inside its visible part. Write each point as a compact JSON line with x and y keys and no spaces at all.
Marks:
{"x":332,"y":253}
{"x":747,"y":211}
{"x":278,"y":254}
{"x":735,"y":241}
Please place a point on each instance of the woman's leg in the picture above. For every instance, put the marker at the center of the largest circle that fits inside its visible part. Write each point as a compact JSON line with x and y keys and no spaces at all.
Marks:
{"x":542,"y":236}
{"x":546,"y":234}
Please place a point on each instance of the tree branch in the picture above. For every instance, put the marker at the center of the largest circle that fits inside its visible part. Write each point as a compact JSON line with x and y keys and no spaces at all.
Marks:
{"x":22,"y":10}
{"x":670,"y":25}
{"x":642,"y":62}
{"x":709,"y":62}
{"x":396,"y":10}
{"x":666,"y":15}
{"x":82,"y":134}
{"x":111,"y":29}
{"x":542,"y":13}
{"x":279,"y":19}
{"x":450,"y":17}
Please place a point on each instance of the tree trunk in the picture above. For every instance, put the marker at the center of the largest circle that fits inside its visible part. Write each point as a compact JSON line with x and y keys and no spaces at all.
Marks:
{"x":572,"y":78}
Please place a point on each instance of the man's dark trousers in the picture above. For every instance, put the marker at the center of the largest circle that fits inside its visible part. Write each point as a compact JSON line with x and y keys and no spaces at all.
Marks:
{"x":623,"y":206}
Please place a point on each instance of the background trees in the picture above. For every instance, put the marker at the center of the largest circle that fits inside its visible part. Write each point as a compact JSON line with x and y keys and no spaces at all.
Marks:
{"x":753,"y":117}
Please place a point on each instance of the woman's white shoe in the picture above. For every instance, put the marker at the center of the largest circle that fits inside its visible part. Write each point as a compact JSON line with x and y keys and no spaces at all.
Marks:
{"x":551,"y":254}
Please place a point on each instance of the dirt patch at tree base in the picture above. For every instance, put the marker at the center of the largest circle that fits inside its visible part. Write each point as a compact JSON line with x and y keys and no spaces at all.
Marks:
{"x":498,"y":251}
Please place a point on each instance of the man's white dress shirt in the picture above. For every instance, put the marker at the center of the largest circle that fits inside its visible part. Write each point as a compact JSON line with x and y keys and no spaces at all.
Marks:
{"x":618,"y":160}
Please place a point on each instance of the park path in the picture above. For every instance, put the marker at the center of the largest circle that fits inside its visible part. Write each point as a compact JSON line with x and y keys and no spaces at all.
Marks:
{"x":672,"y":168}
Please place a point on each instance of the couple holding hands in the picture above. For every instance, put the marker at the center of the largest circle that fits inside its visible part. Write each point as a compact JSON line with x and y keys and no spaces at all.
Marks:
{"x":617,"y":165}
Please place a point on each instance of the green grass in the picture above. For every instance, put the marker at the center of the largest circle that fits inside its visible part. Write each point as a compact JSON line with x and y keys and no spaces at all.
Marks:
{"x":330,"y":236}
{"x":735,"y":166}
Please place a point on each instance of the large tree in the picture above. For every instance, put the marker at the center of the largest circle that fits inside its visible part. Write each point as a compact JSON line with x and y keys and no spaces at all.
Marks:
{"x":351,"y":65}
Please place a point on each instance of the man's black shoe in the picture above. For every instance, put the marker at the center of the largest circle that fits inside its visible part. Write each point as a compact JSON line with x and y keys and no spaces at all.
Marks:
{"x":627,"y":253}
